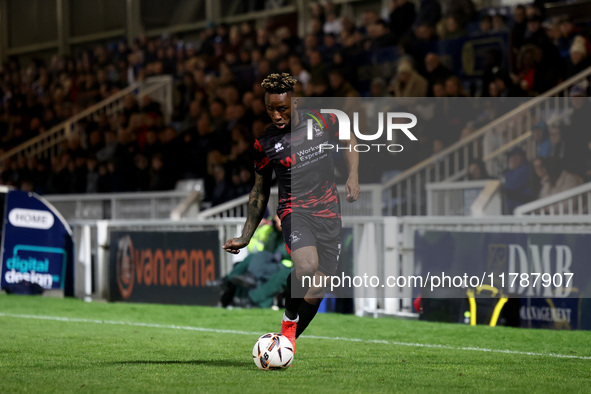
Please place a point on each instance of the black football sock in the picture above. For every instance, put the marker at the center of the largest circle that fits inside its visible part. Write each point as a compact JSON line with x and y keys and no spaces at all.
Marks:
{"x":293,"y":299}
{"x":307,"y":312}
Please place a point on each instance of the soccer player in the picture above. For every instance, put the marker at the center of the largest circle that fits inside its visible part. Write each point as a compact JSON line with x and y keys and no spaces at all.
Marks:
{"x":309,"y":206}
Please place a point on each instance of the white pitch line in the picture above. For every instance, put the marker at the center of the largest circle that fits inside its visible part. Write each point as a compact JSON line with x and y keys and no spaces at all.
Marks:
{"x":239,"y":332}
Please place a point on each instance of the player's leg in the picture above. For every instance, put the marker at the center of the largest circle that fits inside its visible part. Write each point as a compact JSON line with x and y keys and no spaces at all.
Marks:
{"x":328,"y":243}
{"x":309,"y":307}
{"x":305,"y":264}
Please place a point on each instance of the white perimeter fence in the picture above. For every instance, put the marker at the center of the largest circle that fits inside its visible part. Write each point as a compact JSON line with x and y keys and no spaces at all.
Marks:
{"x":383,"y":246}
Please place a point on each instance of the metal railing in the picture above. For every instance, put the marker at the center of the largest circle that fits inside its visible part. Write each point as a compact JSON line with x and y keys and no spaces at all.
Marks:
{"x":49,"y":144}
{"x":406,"y":193}
{"x":369,"y":203}
{"x":575,"y":201}
{"x":453,"y":198}
{"x":153,"y":205}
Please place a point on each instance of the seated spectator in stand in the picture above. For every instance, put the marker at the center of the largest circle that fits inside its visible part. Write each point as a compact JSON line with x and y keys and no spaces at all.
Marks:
{"x":408,"y":82}
{"x":486,"y":24}
{"x":339,"y":86}
{"x":380,"y":36}
{"x":435,"y":71}
{"x":298,"y":71}
{"x":477,"y":171}
{"x":576,"y":135}
{"x":329,"y":48}
{"x":333,"y":24}
{"x":579,"y":58}
{"x":439,"y":89}
{"x":378,"y":87}
{"x":429,"y":13}
{"x":517,"y":180}
{"x":550,"y":67}
{"x":555,"y":179}
{"x":568,"y":32}
{"x":452,"y":28}
{"x":454,"y":88}
{"x":402,"y":16}
{"x":561,"y":149}
{"x":540,"y":136}
{"x":525,"y":79}
{"x":499,"y":24}
{"x":519,"y":28}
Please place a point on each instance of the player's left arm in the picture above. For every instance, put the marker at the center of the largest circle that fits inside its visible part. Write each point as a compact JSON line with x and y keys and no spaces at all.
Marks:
{"x":352,"y":159}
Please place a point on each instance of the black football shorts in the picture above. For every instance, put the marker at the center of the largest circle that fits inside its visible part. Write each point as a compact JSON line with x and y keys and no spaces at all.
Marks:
{"x":301,"y":230}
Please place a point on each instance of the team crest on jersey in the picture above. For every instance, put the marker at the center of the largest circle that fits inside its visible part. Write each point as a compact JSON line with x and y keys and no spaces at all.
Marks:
{"x":317,"y":130}
{"x":278,"y":147}
{"x":294,"y":237}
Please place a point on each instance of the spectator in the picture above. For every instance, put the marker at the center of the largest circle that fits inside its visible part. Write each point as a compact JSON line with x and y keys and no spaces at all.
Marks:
{"x":555,"y":179}
{"x":158,"y":176}
{"x":525,"y":80}
{"x":558,"y":149}
{"x":541,"y":141}
{"x":568,"y":32}
{"x":222,"y":190}
{"x":477,"y":171}
{"x":579,"y":58}
{"x":429,"y":13}
{"x":402,"y":16}
{"x":550,"y":67}
{"x":408,"y":82}
{"x":517,"y":180}
{"x":486,"y":24}
{"x":299,"y":72}
{"x":380,"y":36}
{"x":340,"y":87}
{"x":141,"y":178}
{"x":435,"y":71}
{"x":317,"y":69}
{"x":499,"y":24}
{"x":453,"y":28}
{"x":333,"y":24}
{"x":378,"y":87}
{"x":575,"y":135}
{"x":92,"y":175}
{"x":454,"y":88}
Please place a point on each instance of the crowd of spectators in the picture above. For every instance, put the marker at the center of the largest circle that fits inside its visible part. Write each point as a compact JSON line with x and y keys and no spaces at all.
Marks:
{"x":562,"y":158}
{"x":219,"y":104}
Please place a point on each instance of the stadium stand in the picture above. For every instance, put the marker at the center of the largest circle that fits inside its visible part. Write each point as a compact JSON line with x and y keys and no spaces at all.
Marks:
{"x":413,"y":50}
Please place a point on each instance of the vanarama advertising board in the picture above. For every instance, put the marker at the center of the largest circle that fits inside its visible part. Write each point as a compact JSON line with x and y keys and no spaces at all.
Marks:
{"x":164,"y":267}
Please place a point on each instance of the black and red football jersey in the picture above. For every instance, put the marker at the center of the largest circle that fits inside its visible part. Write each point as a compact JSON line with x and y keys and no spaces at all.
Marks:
{"x":305,"y":172}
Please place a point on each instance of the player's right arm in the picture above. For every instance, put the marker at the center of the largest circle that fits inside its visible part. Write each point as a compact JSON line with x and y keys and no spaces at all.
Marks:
{"x":257,"y":204}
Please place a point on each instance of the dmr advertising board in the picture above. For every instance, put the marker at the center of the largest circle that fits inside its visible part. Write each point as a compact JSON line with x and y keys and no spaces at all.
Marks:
{"x":36,"y":243}
{"x":164,"y":267}
{"x":548,"y":274}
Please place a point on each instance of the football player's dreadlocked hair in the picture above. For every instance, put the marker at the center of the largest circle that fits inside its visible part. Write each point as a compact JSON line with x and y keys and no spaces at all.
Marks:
{"x":278,"y":83}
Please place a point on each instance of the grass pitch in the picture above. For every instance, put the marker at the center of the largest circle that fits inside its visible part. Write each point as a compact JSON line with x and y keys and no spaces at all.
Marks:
{"x":55,"y":345}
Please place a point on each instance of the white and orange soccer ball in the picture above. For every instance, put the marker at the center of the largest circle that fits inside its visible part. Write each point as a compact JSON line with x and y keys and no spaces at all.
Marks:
{"x":272,"y":351}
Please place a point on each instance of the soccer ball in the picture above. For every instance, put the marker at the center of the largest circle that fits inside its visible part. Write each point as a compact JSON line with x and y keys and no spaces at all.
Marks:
{"x":272,"y":351}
